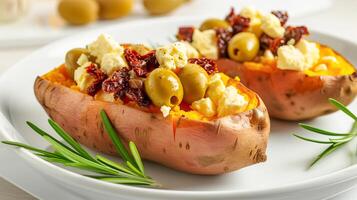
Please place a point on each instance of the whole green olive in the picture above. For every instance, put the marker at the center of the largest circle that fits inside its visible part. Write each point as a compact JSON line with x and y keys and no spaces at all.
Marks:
{"x":243,"y":46}
{"x":78,"y":12}
{"x":112,"y":9}
{"x":72,"y":58}
{"x":194,"y":80}
{"x":214,"y":23}
{"x":164,"y":87}
{"x":159,"y":7}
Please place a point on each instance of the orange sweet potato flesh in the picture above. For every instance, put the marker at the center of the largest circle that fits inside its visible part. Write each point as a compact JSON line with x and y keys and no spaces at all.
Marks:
{"x":199,"y":147}
{"x":295,"y":95}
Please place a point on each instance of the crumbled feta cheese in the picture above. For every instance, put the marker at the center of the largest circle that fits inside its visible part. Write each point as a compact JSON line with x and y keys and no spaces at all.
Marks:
{"x":268,"y":55}
{"x":271,"y":26}
{"x":216,"y":88}
{"x":172,"y":56}
{"x":112,"y":62}
{"x":191,"y":51}
{"x":165,"y":110}
{"x":206,"y":43}
{"x":321,"y":67}
{"x":205,"y":106}
{"x":291,"y":58}
{"x":291,"y":42}
{"x":310,"y":51}
{"x":103,"y":45}
{"x":231,"y":102}
{"x":253,"y":14}
{"x":82,"y":59}
{"x":250,"y":12}
{"x":81,"y":77}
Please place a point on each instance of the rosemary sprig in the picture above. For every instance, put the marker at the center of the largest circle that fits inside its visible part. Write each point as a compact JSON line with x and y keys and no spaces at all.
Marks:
{"x":71,"y":154}
{"x":339,"y":140}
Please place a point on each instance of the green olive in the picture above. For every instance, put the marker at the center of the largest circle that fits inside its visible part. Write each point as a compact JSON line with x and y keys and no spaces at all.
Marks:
{"x":194,"y":80}
{"x":214,"y":23}
{"x":243,"y":46}
{"x":159,"y":7}
{"x":72,"y":58}
{"x":164,"y":87}
{"x":78,"y":12}
{"x":112,"y":9}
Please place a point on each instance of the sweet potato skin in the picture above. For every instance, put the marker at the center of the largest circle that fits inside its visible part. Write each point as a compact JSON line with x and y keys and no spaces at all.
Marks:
{"x":292,"y":95}
{"x":198,"y":147}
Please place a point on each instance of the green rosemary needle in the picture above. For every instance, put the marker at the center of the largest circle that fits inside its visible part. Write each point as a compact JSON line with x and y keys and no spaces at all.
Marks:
{"x":338,"y":140}
{"x":69,"y":153}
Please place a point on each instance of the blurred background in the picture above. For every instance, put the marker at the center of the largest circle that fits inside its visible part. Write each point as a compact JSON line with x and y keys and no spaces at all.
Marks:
{"x":26,"y":25}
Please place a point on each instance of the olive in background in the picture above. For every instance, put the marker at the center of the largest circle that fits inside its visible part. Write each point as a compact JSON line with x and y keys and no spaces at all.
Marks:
{"x":194,"y":80}
{"x":243,"y":46}
{"x":159,"y":7}
{"x":164,"y":88}
{"x":214,"y":23}
{"x":112,"y":9}
{"x":78,"y":12}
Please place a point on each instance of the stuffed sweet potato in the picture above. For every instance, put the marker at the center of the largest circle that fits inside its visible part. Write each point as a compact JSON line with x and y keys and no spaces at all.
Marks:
{"x":179,"y":112}
{"x":296,"y":95}
{"x":294,"y":76}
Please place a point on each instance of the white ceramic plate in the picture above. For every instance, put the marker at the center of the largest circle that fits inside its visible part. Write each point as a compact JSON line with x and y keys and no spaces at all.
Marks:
{"x":284,"y":175}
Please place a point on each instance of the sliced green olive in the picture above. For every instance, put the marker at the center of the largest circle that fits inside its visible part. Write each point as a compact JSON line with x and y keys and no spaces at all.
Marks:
{"x":164,"y":88}
{"x":78,"y":12}
{"x":214,"y":23}
{"x":159,"y":7}
{"x":112,"y":9}
{"x":243,"y":46}
{"x":72,"y":58}
{"x":194,"y":80}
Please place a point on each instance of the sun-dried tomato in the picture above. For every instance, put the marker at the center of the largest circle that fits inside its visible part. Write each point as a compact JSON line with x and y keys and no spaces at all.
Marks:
{"x":118,"y":81}
{"x":185,"y":33}
{"x":230,"y":15}
{"x":98,"y":75}
{"x":137,"y":95}
{"x":223,"y":37}
{"x":282,"y":16}
{"x":120,"y":84}
{"x":295,"y":32}
{"x":141,"y":64}
{"x":237,"y":22}
{"x":270,"y":43}
{"x":209,"y":65}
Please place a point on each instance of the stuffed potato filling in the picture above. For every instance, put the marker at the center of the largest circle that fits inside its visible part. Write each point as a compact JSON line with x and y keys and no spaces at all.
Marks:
{"x":170,"y":79}
{"x":264,"y":41}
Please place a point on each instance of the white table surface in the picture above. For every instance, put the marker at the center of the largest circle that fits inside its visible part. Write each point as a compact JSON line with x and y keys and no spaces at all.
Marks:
{"x":340,"y":19}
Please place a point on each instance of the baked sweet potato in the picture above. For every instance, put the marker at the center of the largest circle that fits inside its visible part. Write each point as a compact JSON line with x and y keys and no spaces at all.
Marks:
{"x":194,"y":146}
{"x":296,"y":95}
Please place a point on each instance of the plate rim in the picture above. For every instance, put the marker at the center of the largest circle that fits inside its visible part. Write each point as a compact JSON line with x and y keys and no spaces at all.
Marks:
{"x":335,"y":177}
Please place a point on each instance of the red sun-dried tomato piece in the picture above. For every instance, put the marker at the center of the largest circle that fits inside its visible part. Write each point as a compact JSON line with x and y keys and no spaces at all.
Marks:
{"x":118,"y":81}
{"x":237,"y":22}
{"x":141,"y":64}
{"x":295,"y":32}
{"x":223,"y":37}
{"x":208,"y":64}
{"x":283,"y":16}
{"x":119,"y":84}
{"x":185,"y":33}
{"x":267,"y":42}
{"x":98,"y":75}
{"x":137,"y":95}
